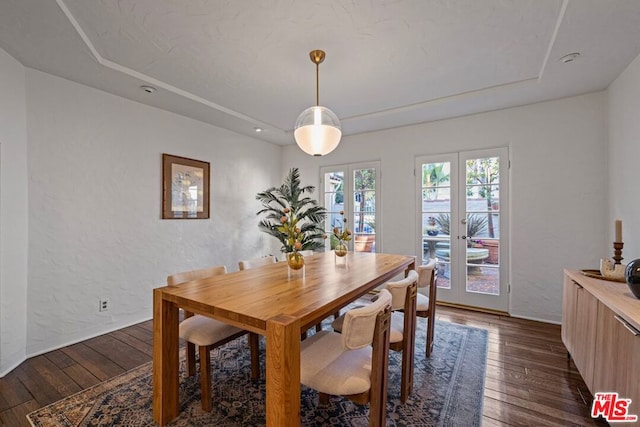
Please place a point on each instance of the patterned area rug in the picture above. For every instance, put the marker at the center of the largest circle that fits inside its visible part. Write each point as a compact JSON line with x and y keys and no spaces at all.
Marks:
{"x":448,"y":390}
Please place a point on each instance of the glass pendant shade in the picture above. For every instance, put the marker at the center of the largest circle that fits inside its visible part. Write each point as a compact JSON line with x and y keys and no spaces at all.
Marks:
{"x":317,"y":131}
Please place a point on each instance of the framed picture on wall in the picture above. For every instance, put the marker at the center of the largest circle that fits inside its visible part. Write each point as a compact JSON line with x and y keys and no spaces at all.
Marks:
{"x":185,"y":188}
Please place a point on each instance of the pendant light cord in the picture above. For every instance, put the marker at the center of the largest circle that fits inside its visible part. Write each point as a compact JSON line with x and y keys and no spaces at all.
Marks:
{"x":317,"y":84}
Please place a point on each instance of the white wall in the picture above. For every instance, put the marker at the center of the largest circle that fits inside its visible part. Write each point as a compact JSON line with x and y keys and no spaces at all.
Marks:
{"x":94,"y":198}
{"x":558,"y":183}
{"x":13,"y":213}
{"x":95,"y":202}
{"x":624,"y":158}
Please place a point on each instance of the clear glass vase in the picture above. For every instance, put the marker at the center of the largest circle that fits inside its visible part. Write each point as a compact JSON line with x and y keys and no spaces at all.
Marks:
{"x":341,"y":249}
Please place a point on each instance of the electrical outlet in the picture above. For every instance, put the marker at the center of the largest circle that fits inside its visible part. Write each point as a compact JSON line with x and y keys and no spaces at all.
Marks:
{"x":104,"y":304}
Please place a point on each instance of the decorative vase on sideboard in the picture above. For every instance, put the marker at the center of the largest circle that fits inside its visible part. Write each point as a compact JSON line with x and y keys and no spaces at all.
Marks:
{"x":632,"y":275}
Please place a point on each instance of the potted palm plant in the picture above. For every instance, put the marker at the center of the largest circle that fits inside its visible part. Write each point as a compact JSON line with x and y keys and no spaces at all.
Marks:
{"x":291,"y":200}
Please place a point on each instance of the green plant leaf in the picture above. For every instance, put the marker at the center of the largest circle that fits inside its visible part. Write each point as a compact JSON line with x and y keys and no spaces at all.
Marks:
{"x":307,"y":214}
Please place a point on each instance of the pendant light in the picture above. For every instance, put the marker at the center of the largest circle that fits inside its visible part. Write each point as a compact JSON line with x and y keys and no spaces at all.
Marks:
{"x":317,"y":131}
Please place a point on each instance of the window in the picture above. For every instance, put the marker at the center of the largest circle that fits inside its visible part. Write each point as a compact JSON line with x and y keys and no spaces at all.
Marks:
{"x":355,"y":190}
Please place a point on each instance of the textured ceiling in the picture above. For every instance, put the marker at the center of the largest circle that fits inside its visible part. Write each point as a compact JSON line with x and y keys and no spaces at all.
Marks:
{"x":240,"y":64}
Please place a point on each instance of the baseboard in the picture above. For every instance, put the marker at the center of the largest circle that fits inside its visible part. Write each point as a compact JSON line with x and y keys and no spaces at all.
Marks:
{"x":535,"y":319}
{"x":12,"y":367}
{"x":497,"y":312}
{"x":472,"y":308}
{"x":86,"y":337}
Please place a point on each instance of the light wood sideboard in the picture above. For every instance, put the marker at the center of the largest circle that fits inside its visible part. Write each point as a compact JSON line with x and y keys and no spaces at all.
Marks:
{"x":601,"y":330}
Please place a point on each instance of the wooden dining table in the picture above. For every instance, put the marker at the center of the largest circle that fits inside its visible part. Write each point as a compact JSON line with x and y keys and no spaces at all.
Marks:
{"x":272,"y":301}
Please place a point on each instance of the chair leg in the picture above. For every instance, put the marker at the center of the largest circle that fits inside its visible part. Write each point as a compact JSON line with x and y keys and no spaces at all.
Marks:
{"x":191,"y":359}
{"x":323,"y":398}
{"x":254,"y":345}
{"x":205,"y":379}
{"x":377,"y":413}
{"x":431,"y":323}
{"x":406,"y":383}
{"x":318,"y":327}
{"x":404,"y":392}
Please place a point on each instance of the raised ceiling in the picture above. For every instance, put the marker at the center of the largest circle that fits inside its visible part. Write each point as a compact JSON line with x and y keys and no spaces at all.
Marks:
{"x":242,"y":64}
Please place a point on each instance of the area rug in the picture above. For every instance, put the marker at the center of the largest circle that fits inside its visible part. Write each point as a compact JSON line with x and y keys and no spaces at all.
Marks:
{"x":448,"y":390}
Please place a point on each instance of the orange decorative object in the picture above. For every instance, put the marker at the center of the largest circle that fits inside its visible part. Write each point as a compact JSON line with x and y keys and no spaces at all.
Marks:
{"x":295,"y":260}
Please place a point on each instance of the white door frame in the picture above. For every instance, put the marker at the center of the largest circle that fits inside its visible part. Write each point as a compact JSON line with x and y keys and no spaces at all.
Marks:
{"x":457,"y":294}
{"x":348,"y":191}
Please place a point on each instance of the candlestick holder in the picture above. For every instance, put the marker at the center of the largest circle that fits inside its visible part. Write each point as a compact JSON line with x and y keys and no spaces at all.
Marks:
{"x":617,"y":252}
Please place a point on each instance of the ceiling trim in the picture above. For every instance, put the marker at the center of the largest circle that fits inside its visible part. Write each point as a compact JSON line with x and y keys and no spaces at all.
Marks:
{"x":442,"y":99}
{"x":257,"y":123}
{"x":563,"y":10}
{"x":521,"y":78}
{"x":138,"y":75}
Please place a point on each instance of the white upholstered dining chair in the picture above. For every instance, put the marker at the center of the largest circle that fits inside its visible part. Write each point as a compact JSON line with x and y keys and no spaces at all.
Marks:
{"x":353,"y":363}
{"x":403,"y":326}
{"x":426,"y":304}
{"x":254,"y":339}
{"x":207,"y":334}
{"x":246,"y":264}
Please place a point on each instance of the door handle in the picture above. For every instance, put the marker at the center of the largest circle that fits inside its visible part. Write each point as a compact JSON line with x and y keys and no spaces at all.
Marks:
{"x":463,"y":237}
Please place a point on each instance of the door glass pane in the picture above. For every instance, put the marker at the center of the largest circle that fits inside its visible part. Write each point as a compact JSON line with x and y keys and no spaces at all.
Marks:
{"x":334,"y":204}
{"x":436,"y":175}
{"x":483,"y":225}
{"x":364,"y":210}
{"x":436,"y":212}
{"x":364,"y":179}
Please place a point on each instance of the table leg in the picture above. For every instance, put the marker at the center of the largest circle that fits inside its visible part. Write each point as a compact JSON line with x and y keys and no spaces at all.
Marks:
{"x":165,"y":359}
{"x":283,"y":372}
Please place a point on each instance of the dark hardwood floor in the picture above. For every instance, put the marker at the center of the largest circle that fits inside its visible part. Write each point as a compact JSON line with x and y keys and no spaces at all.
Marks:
{"x":529,"y":381}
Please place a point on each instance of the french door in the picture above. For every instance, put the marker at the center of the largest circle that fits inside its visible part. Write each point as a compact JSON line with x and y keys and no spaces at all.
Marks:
{"x":462,"y":201}
{"x":351,"y":193}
